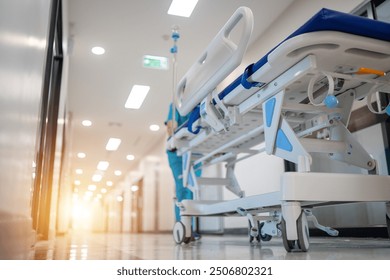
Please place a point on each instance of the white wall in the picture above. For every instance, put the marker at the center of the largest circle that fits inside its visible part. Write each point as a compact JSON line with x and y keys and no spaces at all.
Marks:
{"x":126,"y":214}
{"x":158,"y":191}
{"x":166,"y":192}
{"x":296,"y":15}
{"x":149,"y":171}
{"x":257,"y":175}
{"x":114,"y":213}
{"x":23,"y":31}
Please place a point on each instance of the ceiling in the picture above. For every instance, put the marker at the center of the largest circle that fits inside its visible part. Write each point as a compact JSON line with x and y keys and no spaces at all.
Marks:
{"x":98,"y":86}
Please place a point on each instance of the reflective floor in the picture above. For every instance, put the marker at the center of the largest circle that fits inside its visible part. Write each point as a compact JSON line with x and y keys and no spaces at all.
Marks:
{"x":99,"y":246}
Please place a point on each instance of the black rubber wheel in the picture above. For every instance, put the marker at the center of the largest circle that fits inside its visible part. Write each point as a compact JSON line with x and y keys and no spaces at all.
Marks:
{"x":289,"y":245}
{"x":388,"y":224}
{"x":303,"y":232}
{"x":263,"y":237}
{"x":187,"y":240}
{"x":179,"y":232}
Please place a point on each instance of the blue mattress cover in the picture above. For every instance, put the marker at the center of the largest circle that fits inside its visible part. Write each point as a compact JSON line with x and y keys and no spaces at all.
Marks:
{"x":324,"y":20}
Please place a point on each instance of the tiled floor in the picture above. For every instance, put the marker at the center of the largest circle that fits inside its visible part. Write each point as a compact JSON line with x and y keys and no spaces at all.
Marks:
{"x":99,"y":246}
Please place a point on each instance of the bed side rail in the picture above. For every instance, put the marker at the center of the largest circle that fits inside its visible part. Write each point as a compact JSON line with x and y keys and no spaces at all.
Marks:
{"x":219,"y":59}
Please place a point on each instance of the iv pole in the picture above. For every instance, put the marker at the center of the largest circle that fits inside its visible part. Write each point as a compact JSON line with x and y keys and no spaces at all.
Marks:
{"x":175,"y":36}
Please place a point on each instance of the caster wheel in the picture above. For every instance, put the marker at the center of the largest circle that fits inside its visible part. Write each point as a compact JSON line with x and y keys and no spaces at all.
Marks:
{"x":187,"y":240}
{"x":264,"y":237}
{"x":303,"y":232}
{"x":179,"y":233}
{"x":388,"y":224}
{"x":289,"y":245}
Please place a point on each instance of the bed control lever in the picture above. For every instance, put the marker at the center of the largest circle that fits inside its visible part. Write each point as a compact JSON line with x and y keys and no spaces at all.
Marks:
{"x":313,"y":219}
{"x":364,"y":71}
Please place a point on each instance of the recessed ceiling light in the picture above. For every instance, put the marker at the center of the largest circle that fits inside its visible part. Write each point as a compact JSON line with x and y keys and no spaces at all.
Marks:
{"x":98,"y":50}
{"x":137,"y":96}
{"x":92,"y":187}
{"x":97,"y":177}
{"x":81,"y":155}
{"x":103,"y":165}
{"x":79,"y":171}
{"x":103,"y":190}
{"x":77,"y":182}
{"x":118,"y":172}
{"x":113,"y":144}
{"x":182,"y":8}
{"x":134,"y":188}
{"x":88,"y":193}
{"x":86,"y":123}
{"x":130,"y":157}
{"x":109,"y":183}
{"x":154,"y":127}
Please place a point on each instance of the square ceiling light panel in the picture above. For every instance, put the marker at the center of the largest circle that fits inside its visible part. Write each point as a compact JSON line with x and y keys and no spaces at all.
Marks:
{"x":182,"y":8}
{"x":113,"y":144}
{"x":137,"y":96}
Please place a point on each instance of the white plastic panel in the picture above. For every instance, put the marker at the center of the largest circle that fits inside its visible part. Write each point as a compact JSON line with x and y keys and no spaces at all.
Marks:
{"x":219,"y":59}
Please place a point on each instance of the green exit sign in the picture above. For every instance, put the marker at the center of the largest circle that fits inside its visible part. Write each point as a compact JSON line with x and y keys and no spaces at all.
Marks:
{"x":155,"y":62}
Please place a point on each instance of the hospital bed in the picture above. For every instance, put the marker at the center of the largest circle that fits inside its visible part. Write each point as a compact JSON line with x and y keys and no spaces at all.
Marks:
{"x":294,"y":101}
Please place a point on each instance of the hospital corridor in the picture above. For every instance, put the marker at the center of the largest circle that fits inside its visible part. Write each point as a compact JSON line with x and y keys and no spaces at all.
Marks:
{"x":237,"y":130}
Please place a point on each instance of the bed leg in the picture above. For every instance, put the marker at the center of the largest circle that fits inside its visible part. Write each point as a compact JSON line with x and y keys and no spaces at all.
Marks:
{"x":295,"y":227}
{"x":303,"y":164}
{"x":290,"y":213}
{"x":253,"y":224}
{"x":186,"y":220}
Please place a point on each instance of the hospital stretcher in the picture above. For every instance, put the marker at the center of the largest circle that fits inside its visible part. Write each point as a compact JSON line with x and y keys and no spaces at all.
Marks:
{"x":296,"y":100}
